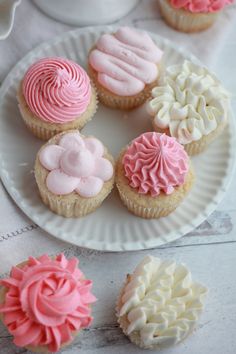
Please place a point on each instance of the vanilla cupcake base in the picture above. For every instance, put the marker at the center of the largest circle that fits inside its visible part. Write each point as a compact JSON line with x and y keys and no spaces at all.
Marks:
{"x":146,"y":206}
{"x":46,"y":130}
{"x":71,"y":205}
{"x":114,"y":101}
{"x":196,"y":147}
{"x":186,"y":21}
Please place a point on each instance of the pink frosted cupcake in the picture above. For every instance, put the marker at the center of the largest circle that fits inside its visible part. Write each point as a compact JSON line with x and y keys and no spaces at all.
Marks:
{"x":74,"y":174}
{"x":45,"y":303}
{"x":191,"y":15}
{"x":56,"y":95}
{"x":125,"y":66}
{"x":153,"y":175}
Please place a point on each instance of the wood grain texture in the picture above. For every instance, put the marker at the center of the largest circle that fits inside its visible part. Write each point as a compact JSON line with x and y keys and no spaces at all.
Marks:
{"x":209,"y":264}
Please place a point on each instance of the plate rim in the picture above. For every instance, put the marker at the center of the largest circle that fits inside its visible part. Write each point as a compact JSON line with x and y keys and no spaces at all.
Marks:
{"x":129,"y":246}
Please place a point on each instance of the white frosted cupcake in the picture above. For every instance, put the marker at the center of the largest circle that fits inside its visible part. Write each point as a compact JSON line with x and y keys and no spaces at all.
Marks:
{"x":125,"y":66}
{"x":56,"y":95}
{"x":159,"y":305}
{"x":191,"y":105}
{"x":74,"y":174}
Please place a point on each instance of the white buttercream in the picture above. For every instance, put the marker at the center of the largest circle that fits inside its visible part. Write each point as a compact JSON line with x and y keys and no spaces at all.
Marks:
{"x":191,"y":102}
{"x":161,"y":302}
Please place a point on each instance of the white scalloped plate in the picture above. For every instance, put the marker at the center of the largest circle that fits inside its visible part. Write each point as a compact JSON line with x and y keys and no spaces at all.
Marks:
{"x":111,"y":227}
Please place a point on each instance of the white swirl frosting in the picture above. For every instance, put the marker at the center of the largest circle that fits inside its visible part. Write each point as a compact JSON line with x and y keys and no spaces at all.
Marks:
{"x":191,"y":102}
{"x":161,"y":302}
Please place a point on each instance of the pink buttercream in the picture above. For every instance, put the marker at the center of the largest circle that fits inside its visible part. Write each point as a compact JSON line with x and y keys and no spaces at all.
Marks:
{"x":57,"y":90}
{"x":126,"y":61}
{"x":203,"y":6}
{"x":155,"y":162}
{"x":46,"y":301}
{"x":76,"y":164}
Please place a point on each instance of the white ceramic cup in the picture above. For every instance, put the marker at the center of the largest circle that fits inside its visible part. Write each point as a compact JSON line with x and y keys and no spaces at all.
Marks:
{"x":7,"y":13}
{"x":86,"y":12}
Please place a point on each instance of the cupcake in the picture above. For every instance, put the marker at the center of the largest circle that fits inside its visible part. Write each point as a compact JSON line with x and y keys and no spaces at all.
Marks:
{"x":153,"y":175}
{"x":159,"y":305}
{"x":74,"y":174}
{"x":191,"y":15}
{"x":125,"y":67}
{"x":56,"y":95}
{"x":190,"y":105}
{"x":45,"y":303}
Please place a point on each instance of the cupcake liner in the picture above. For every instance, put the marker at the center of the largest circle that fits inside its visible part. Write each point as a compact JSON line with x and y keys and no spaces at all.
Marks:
{"x":196,"y":147}
{"x":114,"y":101}
{"x":46,"y":131}
{"x":146,"y":206}
{"x":68,"y":210}
{"x":144,"y":212}
{"x":186,"y":21}
{"x":71,"y":205}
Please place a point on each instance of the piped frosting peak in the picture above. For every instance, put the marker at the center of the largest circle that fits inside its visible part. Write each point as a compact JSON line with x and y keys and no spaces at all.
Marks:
{"x":57,"y":90}
{"x":155,"y":163}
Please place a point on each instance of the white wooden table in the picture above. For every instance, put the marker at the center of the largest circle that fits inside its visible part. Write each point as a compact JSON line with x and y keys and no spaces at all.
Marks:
{"x":209,"y":251}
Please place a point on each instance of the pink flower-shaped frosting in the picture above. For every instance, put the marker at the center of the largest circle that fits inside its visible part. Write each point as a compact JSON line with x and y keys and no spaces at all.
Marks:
{"x":76,"y":164}
{"x":57,"y":90}
{"x":155,"y":162}
{"x":201,"y":5}
{"x":46,"y":301}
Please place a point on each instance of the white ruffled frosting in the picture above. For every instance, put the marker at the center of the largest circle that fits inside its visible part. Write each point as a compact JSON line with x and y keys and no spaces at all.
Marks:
{"x":191,"y":102}
{"x":161,"y":302}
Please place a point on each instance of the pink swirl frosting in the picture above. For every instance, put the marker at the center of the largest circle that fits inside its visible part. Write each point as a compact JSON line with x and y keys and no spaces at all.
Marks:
{"x":155,"y":162}
{"x":76,"y":164}
{"x":203,"y":6}
{"x":56,"y":90}
{"x":126,"y":61}
{"x":46,"y":301}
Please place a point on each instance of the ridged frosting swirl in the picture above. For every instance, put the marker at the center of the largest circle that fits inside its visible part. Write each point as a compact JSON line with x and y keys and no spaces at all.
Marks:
{"x":155,"y":162}
{"x":161,"y":302}
{"x":47,"y":300}
{"x":126,"y":61}
{"x":203,"y":6}
{"x":57,"y":90}
{"x":190,"y":103}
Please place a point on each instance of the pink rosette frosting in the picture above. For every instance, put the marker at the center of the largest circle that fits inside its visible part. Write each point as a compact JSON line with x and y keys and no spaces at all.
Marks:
{"x":56,"y":90}
{"x":47,"y":300}
{"x":203,"y":6}
{"x":155,"y":162}
{"x":76,"y":164}
{"x":126,"y":61}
